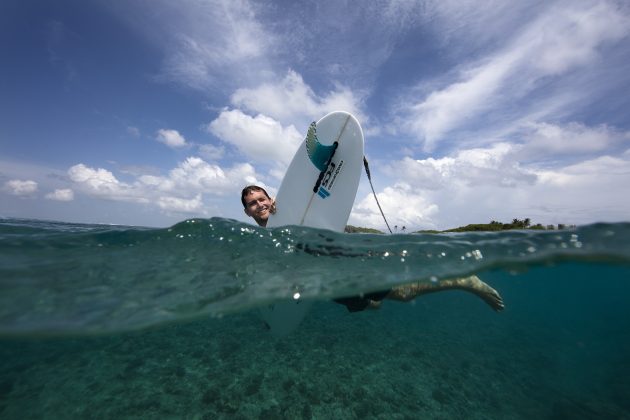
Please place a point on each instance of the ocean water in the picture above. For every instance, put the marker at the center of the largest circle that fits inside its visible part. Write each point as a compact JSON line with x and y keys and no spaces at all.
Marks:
{"x":125,"y":322}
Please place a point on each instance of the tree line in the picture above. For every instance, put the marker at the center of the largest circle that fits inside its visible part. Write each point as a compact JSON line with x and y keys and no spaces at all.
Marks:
{"x":476,"y":227}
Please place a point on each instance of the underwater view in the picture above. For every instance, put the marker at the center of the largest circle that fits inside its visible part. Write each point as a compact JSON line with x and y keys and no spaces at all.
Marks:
{"x":101,"y":321}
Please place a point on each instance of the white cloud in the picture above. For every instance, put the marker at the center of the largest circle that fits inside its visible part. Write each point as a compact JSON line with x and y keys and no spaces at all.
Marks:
{"x":171,"y":138}
{"x":593,"y":190}
{"x":211,"y":152}
{"x":221,"y":44}
{"x":597,"y":173}
{"x":569,"y":35}
{"x":544,"y":139}
{"x":20,"y":187}
{"x":562,"y":38}
{"x":271,"y":137}
{"x":260,"y":138}
{"x":102,"y":183}
{"x":181,"y":205}
{"x":212,"y":42}
{"x":495,"y":165}
{"x":402,"y":205}
{"x":133,"y":131}
{"x":195,"y":174}
{"x":64,"y":194}
{"x":430,"y":173}
{"x":445,"y":109}
{"x":481,"y":184}
{"x":183,"y":189}
{"x":291,"y":100}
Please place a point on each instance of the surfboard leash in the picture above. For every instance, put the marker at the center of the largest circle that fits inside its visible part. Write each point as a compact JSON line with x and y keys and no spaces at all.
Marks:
{"x":367,"y":171}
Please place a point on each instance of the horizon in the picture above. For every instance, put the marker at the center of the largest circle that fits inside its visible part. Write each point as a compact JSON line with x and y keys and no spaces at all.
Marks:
{"x":145,"y":114}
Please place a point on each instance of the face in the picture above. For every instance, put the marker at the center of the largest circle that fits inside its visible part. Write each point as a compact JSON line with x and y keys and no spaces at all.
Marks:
{"x":258,"y":206}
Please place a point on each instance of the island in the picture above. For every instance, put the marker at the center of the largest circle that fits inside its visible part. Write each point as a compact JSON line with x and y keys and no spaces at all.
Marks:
{"x":476,"y":227}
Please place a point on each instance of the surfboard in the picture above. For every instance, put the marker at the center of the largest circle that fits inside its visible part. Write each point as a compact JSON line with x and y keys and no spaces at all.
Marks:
{"x":318,"y":190}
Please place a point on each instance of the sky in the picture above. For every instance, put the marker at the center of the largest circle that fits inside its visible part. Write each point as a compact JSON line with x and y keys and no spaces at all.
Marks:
{"x":150,"y":112}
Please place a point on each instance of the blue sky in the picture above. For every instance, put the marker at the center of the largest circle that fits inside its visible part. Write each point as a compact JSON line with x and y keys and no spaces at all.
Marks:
{"x":150,"y":112}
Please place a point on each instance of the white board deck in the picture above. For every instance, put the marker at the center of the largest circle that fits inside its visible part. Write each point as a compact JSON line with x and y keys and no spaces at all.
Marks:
{"x":328,"y":207}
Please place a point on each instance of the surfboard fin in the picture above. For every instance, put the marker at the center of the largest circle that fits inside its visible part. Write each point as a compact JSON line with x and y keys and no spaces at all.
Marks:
{"x":318,"y":153}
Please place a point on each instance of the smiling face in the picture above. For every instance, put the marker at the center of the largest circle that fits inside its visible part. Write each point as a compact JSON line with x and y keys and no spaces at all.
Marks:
{"x":258,"y":205}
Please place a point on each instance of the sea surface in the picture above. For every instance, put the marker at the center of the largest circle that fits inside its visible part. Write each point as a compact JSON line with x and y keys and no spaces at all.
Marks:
{"x":103,"y":322}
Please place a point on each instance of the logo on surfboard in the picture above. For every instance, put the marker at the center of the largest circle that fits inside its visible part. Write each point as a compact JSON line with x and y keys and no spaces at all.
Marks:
{"x":323,"y":193}
{"x":329,"y":179}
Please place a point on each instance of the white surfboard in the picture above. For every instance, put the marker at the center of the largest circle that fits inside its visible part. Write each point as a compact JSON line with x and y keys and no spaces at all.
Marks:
{"x":318,"y":190}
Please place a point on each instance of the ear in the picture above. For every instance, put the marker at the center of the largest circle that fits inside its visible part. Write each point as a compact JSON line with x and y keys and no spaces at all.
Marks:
{"x":247,"y":212}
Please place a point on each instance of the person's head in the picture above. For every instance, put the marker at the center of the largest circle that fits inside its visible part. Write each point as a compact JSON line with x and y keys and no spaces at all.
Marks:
{"x":257,"y":204}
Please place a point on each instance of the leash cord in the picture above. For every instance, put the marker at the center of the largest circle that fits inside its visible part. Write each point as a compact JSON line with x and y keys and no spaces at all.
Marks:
{"x":367,"y":171}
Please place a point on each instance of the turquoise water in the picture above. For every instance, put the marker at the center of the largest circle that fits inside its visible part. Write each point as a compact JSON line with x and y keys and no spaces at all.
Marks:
{"x":118,"y":322}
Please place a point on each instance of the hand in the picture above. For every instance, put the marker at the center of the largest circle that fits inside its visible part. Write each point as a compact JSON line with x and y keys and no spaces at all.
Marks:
{"x":272,"y":210}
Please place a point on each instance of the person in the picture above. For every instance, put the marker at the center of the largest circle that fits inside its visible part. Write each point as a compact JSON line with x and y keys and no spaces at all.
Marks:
{"x":259,"y":205}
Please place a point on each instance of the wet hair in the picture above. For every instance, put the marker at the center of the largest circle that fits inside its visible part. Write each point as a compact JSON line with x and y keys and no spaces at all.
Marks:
{"x":250,"y":189}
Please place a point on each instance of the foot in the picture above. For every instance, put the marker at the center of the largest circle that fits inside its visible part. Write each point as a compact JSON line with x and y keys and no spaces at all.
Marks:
{"x":374,"y":304}
{"x":474,"y":285}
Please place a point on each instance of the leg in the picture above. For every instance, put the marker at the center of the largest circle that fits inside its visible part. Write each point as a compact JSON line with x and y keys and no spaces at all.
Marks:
{"x":472,"y":284}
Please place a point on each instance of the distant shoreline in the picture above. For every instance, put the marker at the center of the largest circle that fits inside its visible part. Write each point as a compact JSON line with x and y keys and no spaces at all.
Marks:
{"x":493,"y":226}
